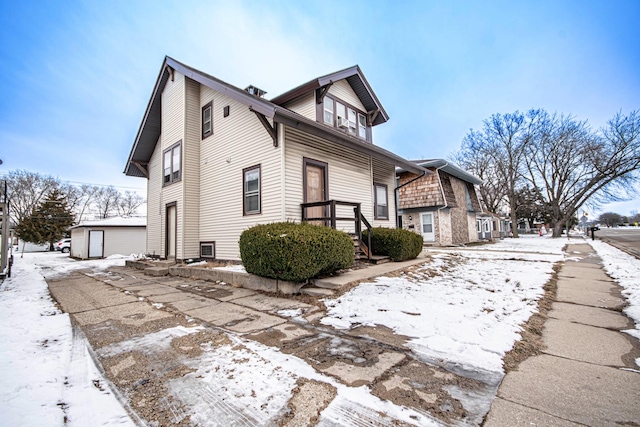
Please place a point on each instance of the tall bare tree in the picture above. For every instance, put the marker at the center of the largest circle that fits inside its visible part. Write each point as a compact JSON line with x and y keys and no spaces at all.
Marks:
{"x":106,"y":201}
{"x":475,"y":159}
{"x":128,"y":203}
{"x":501,"y":146}
{"x":26,"y":190}
{"x":572,"y":165}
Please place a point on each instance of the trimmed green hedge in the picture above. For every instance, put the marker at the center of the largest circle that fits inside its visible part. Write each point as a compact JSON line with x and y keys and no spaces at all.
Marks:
{"x":294,"y":252}
{"x":396,"y":243}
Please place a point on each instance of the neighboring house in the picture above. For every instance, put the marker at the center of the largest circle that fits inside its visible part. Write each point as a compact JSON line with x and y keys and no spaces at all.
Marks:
{"x":219,"y":159}
{"x":442,"y":205}
{"x":111,"y":236}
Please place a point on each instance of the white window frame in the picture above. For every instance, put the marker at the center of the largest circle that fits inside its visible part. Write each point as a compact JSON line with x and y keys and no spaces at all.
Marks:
{"x":207,"y":130}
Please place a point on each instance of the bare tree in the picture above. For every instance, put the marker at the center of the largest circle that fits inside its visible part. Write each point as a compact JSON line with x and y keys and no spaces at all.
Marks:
{"x":128,"y":203}
{"x":571,"y":165}
{"x":499,"y":149}
{"x":106,"y":201}
{"x":479,"y":162}
{"x":26,"y":190}
{"x":610,"y":219}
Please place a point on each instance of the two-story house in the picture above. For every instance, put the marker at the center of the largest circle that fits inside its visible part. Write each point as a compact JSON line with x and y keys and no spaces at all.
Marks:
{"x":441,"y":205}
{"x":219,"y":159}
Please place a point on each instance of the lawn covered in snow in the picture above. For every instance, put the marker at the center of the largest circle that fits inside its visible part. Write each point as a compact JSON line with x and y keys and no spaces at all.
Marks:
{"x":48,"y":377}
{"x":464,"y":308}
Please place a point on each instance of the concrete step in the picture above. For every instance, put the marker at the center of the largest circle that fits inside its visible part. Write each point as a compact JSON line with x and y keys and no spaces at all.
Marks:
{"x":156,"y":271}
{"x":316,"y":292}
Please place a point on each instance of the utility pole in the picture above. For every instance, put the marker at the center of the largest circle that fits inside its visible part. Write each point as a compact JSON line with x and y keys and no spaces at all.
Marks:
{"x":4,"y":242}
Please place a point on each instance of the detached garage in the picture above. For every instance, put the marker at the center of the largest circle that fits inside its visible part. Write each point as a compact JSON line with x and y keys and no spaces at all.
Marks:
{"x":111,"y":236}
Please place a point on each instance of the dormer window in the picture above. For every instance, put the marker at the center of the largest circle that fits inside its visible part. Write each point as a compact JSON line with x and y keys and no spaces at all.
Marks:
{"x":328,"y":111}
{"x":344,"y":117}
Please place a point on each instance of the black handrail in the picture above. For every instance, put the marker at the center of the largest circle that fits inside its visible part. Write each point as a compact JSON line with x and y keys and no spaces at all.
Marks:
{"x":332,"y":219}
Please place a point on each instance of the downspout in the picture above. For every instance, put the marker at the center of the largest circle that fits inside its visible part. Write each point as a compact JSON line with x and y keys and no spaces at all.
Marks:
{"x":446,"y":205}
{"x":396,"y":192}
{"x":283,"y":189}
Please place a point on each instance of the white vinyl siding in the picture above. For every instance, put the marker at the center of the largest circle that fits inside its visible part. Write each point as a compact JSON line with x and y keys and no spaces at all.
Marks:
{"x":304,"y":105}
{"x":154,"y":197}
{"x":239,"y":141}
{"x":384,"y":173}
{"x":349,"y":175}
{"x":342,"y":90}
{"x":173,"y":122}
{"x":191,"y":172}
{"x":117,"y":240}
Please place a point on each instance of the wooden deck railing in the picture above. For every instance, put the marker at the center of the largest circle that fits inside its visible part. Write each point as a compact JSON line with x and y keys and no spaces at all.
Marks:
{"x":332,"y":219}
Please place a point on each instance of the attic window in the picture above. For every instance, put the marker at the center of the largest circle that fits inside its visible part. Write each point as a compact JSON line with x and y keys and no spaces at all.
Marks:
{"x":346,"y":118}
{"x":207,"y":120}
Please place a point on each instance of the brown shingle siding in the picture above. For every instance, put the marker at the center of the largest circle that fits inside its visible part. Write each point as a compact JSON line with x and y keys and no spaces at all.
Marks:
{"x":421,"y":192}
{"x":447,"y":189}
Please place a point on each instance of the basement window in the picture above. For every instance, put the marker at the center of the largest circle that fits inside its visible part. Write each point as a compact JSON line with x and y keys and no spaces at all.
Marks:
{"x":207,"y":249}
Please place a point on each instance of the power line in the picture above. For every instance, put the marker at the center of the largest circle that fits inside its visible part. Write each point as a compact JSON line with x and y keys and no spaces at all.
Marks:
{"x":4,"y":175}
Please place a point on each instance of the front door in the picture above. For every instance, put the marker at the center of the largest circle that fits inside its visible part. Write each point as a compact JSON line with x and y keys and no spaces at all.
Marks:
{"x":96,"y":243}
{"x":428,"y":235}
{"x":171,"y":232}
{"x":315,"y":188}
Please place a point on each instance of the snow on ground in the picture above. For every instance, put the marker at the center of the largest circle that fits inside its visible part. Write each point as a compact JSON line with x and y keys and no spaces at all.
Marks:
{"x":239,"y":268}
{"x":47,"y":373}
{"x":625,"y":270}
{"x":464,"y":308}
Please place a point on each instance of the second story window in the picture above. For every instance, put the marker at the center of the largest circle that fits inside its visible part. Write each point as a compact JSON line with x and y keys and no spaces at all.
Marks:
{"x":344,"y":117}
{"x":207,"y":120}
{"x":172,"y":161}
{"x":328,"y":111}
{"x":362,"y":126}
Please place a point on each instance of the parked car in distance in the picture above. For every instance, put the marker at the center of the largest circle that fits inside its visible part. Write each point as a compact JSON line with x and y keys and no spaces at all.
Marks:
{"x":63,"y":245}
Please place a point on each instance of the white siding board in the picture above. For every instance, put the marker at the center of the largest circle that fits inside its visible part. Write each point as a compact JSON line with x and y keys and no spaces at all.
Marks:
{"x":123,"y":240}
{"x":304,"y":105}
{"x":384,"y":173}
{"x":239,"y":141}
{"x":342,"y":89}
{"x":154,"y":202}
{"x":191,"y":171}
{"x":173,"y":113}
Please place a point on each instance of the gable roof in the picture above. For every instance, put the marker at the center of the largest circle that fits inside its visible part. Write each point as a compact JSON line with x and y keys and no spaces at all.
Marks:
{"x":448,"y":167}
{"x":354,"y":77}
{"x":151,"y":125}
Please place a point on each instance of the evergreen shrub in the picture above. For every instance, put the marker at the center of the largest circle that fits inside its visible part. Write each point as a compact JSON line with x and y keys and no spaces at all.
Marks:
{"x":294,"y":252}
{"x":397,"y":243}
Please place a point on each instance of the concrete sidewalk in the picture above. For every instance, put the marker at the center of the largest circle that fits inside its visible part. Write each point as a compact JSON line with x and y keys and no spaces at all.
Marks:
{"x":586,"y":375}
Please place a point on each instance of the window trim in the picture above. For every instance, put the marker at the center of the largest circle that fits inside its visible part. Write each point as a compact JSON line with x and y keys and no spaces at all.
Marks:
{"x":375,"y":200}
{"x":320,"y":117}
{"x":209,"y":106}
{"x":171,"y":149}
{"x":244,"y":190}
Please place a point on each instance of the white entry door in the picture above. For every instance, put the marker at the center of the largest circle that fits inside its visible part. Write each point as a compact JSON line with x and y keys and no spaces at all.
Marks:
{"x":96,"y":243}
{"x":428,"y":234}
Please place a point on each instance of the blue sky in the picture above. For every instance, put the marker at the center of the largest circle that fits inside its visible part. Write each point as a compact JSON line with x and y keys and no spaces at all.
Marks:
{"x":76,"y":76}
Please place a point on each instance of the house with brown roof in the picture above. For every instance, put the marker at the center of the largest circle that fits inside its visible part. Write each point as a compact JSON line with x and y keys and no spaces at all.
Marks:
{"x":219,"y":159}
{"x":442,"y":205}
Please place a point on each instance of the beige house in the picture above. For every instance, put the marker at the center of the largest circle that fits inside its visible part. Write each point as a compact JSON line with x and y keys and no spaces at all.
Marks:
{"x":441,"y":206}
{"x":111,"y":236}
{"x":219,"y":159}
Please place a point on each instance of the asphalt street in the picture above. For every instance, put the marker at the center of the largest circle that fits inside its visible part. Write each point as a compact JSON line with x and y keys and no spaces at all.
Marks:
{"x":624,"y":238}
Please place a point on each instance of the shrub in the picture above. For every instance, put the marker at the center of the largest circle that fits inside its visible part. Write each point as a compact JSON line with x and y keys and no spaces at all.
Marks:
{"x":294,"y":252}
{"x":397,"y":243}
